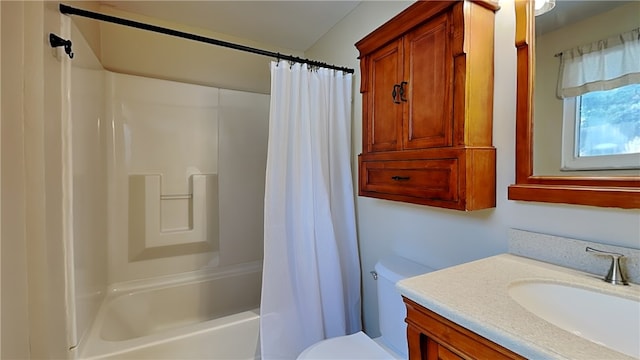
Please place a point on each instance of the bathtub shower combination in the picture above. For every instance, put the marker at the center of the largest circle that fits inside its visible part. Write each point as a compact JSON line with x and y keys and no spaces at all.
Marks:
{"x":193,"y":316}
{"x":164,"y":185}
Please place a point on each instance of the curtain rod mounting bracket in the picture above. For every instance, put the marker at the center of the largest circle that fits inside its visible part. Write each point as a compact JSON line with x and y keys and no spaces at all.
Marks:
{"x":57,"y":41}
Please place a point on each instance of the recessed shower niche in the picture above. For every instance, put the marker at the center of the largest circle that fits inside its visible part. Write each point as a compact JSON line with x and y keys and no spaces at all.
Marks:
{"x":163,"y":225}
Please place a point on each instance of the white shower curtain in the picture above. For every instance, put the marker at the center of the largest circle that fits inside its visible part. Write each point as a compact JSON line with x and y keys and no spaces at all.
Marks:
{"x":311,"y":273}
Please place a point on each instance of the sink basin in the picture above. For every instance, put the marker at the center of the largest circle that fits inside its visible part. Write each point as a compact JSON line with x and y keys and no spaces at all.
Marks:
{"x":607,"y":319}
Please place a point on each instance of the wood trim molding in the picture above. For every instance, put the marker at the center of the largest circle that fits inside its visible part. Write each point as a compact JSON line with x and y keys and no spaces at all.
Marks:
{"x":610,"y":191}
{"x":410,"y":18}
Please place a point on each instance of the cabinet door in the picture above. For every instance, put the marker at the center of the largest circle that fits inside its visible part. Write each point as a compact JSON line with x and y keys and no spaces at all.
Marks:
{"x":428,"y":121}
{"x":384,"y":119}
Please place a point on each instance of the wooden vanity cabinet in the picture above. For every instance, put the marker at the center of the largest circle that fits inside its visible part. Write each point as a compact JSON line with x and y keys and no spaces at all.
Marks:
{"x":427,"y":87}
{"x":433,"y":337}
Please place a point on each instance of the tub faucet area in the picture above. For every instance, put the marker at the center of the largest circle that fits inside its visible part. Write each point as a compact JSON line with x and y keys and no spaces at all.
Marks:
{"x":615,"y":275}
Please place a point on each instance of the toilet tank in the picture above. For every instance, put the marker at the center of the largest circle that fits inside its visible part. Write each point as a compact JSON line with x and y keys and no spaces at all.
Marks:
{"x":391,"y":308}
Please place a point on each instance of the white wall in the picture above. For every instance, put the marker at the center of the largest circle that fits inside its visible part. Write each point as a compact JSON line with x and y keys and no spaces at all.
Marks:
{"x":0,"y":182}
{"x":14,"y":258}
{"x":171,"y":58}
{"x":34,"y":288}
{"x":442,"y":238}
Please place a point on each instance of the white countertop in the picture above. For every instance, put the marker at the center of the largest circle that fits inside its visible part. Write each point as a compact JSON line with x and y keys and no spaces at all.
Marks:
{"x":475,"y":296}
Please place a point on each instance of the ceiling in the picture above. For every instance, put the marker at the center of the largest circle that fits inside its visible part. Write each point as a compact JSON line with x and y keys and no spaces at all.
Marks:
{"x":295,"y":25}
{"x":570,"y":11}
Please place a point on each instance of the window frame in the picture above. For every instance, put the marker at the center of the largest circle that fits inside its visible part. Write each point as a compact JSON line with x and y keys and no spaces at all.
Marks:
{"x":570,"y":159}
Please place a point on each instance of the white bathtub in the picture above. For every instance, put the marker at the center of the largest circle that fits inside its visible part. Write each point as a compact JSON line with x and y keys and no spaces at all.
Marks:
{"x":203,"y":315}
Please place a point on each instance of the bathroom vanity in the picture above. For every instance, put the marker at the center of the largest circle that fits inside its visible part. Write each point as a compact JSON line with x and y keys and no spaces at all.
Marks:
{"x":432,"y":337}
{"x":512,"y":307}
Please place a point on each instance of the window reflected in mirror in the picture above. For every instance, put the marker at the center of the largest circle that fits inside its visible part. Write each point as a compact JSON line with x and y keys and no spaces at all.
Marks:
{"x":601,"y":129}
{"x":540,"y":106}
{"x":587,"y":89}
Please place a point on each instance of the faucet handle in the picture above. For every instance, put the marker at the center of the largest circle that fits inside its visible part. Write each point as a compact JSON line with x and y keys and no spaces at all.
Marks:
{"x":615,"y":275}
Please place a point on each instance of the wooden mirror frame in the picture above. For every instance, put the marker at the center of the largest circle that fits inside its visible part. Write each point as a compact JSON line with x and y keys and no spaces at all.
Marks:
{"x":606,"y":191}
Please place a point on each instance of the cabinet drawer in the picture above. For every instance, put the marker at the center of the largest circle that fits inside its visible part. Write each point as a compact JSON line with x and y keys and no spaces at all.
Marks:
{"x":424,"y":179}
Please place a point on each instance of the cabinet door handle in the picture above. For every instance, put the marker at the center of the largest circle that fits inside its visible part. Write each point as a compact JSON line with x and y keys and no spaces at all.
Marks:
{"x":400,"y":178}
{"x":402,"y":84}
{"x":394,"y":93}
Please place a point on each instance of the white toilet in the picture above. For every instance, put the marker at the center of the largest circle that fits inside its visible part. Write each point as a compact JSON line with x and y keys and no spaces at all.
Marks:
{"x":391,"y":311}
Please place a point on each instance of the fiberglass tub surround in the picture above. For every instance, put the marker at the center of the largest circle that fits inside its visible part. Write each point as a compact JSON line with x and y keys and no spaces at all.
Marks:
{"x":186,"y":192}
{"x":181,"y":179}
{"x":166,"y":187}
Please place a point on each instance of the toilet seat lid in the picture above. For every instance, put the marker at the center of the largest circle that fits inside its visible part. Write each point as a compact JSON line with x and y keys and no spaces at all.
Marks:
{"x":356,"y":346}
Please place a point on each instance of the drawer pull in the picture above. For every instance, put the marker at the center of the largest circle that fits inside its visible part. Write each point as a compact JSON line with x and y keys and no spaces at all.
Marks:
{"x":400,"y":178}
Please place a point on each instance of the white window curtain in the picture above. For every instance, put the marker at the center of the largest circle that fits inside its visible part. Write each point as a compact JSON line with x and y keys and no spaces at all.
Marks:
{"x":602,"y":65}
{"x":311,"y":272}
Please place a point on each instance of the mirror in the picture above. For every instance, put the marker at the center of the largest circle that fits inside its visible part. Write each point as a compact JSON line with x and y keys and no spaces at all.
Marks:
{"x":615,"y":123}
{"x":595,"y":188}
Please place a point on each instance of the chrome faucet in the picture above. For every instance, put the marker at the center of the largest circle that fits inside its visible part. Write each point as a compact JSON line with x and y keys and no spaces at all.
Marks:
{"x":615,"y":275}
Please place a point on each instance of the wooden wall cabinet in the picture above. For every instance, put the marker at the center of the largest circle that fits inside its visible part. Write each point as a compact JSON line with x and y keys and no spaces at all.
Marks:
{"x":427,"y":86}
{"x":433,"y":337}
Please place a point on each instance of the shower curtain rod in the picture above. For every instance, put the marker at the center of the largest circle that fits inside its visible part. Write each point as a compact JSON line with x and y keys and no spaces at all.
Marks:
{"x":68,"y":10}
